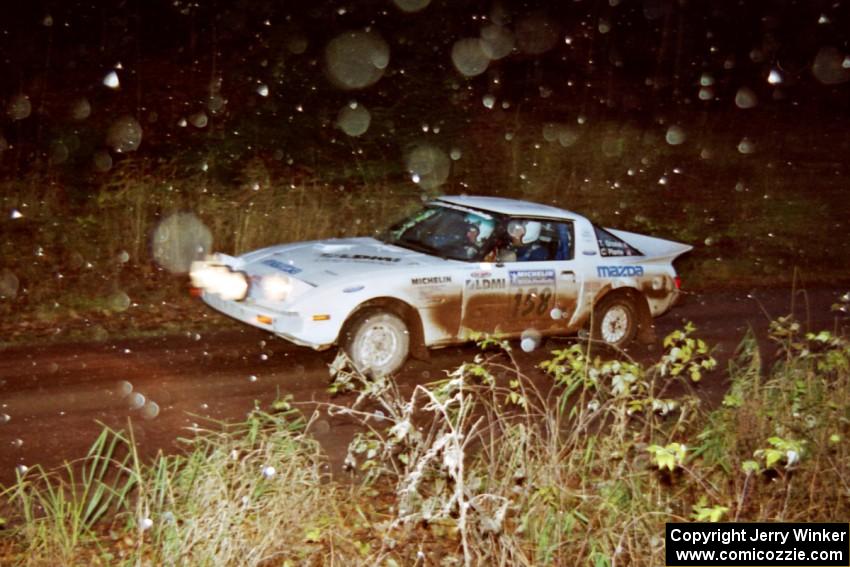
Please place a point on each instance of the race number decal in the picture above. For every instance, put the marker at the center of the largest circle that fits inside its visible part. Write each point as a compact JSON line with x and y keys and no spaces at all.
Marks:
{"x":531,"y":301}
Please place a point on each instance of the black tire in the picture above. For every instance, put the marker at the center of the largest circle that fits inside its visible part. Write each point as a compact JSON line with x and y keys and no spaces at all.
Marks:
{"x":615,"y":320}
{"x":377,"y":341}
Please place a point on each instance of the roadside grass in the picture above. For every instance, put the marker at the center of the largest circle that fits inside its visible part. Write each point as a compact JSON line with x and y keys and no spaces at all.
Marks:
{"x":241,"y":494}
{"x":580,"y":462}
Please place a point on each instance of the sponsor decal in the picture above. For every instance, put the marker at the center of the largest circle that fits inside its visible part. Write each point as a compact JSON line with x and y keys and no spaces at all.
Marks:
{"x":434,"y":280}
{"x":359,"y":257}
{"x":496,"y":283}
{"x":589,"y":252}
{"x":529,"y":277}
{"x":614,"y":251}
{"x":481,"y":274}
{"x":618,"y":271}
{"x":278,"y":265}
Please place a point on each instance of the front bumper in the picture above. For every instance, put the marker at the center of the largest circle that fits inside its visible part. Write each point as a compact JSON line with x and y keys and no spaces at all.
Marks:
{"x":286,"y":324}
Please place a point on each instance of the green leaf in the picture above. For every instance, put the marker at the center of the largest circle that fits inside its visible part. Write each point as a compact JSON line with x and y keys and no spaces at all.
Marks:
{"x":772,"y":456}
{"x":668,"y":457}
{"x":733,"y":400}
{"x":313,"y":535}
{"x":696,"y":375}
{"x":666,"y":460}
{"x":706,"y":514}
{"x":363,"y":547}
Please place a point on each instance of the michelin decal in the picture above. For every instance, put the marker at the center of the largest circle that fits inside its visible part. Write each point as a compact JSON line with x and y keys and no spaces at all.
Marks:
{"x":531,"y":277}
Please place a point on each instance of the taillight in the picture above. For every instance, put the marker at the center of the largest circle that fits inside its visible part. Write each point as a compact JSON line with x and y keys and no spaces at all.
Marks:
{"x":678,"y":282}
{"x":195,"y":291}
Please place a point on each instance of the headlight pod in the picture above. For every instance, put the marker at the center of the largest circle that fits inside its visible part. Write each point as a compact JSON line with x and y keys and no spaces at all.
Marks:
{"x":220,"y":280}
{"x":276,"y":288}
{"x":234,"y":286}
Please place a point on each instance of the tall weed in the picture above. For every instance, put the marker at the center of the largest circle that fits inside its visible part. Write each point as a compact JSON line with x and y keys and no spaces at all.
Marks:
{"x":581,"y":461}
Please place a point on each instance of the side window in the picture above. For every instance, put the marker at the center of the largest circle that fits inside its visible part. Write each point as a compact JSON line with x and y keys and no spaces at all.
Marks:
{"x":564,"y":248}
{"x":610,"y":245}
{"x":533,"y":240}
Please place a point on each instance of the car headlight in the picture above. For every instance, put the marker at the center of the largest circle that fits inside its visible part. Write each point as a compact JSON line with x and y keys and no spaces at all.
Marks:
{"x":276,"y":288}
{"x":220,"y":280}
{"x":233,"y":287}
{"x":200,"y":273}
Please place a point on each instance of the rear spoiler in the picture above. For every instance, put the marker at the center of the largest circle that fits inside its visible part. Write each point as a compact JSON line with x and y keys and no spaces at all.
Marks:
{"x":653,"y":249}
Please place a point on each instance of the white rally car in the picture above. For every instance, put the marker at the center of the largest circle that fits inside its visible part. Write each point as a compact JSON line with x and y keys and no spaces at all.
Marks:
{"x":460,"y":266}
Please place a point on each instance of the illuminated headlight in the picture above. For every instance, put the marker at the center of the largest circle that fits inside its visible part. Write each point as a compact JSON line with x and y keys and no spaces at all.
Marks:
{"x":220,"y":280}
{"x":233,"y":287}
{"x":276,"y":288}
{"x":203,"y":274}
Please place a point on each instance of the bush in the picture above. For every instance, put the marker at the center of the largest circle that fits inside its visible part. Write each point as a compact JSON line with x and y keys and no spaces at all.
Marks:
{"x":582,"y":463}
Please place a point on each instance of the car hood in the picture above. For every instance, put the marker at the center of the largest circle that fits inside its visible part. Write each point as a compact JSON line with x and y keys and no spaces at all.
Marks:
{"x":323,"y":261}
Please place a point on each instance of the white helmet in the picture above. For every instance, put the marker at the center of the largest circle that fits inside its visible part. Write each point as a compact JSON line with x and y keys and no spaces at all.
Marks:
{"x":532,"y":232}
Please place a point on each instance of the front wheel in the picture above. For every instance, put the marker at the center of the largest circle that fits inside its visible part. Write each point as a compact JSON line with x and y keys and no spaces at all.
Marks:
{"x":615,"y":320}
{"x":377,"y":341}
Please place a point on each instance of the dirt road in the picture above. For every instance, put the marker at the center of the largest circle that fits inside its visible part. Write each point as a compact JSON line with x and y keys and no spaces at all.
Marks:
{"x":55,"y":398}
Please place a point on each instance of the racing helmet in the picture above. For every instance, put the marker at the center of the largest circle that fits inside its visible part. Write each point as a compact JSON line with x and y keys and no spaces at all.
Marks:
{"x":515,"y":228}
{"x":532,"y":232}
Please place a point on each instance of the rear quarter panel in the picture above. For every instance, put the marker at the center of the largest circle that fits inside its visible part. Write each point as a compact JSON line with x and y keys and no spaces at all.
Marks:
{"x":652,"y":276}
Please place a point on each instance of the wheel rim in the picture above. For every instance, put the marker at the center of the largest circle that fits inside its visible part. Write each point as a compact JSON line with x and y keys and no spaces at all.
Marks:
{"x":615,"y":324}
{"x":378,"y":346}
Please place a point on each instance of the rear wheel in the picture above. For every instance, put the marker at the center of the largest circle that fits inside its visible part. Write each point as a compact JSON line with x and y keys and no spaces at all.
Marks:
{"x":615,"y":320}
{"x":377,"y":341}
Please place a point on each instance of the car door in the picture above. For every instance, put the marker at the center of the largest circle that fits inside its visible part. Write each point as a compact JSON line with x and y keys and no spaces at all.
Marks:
{"x":542,"y":292}
{"x":485,"y":299}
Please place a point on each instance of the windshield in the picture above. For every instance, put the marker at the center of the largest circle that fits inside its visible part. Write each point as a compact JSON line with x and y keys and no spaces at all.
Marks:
{"x":445,"y":232}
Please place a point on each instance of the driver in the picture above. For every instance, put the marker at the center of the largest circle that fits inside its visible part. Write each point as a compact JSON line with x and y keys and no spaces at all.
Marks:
{"x":470,"y":245}
{"x":472,"y":232}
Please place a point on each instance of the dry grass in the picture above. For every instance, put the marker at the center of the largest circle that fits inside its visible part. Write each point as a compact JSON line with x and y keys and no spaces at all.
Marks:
{"x":253,"y":493}
{"x":484,"y":467}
